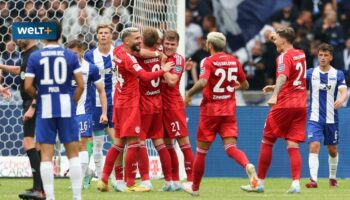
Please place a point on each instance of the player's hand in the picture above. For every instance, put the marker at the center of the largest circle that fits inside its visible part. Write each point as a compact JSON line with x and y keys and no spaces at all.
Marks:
{"x":237,"y":85}
{"x":272,"y":101}
{"x":6,"y":93}
{"x":103,"y":119}
{"x":187,"y":100}
{"x":167,"y":66}
{"x":29,"y":114}
{"x":268,"y":88}
{"x":338,"y":104}
{"x":273,"y":36}
{"x":162,"y":57}
{"x":188,"y":64}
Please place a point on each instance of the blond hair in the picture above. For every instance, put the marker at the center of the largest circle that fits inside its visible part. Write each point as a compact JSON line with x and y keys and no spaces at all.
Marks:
{"x":99,"y":26}
{"x":127,"y":32}
{"x":218,"y":40}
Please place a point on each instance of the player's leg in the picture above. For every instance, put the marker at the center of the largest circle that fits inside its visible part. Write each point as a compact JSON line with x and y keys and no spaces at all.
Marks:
{"x":332,"y":140}
{"x":295,"y":165}
{"x":143,"y":165}
{"x":170,"y":145}
{"x":29,"y":146}
{"x":185,"y":146}
{"x":315,"y":135}
{"x":131,"y":159}
{"x":98,"y":140}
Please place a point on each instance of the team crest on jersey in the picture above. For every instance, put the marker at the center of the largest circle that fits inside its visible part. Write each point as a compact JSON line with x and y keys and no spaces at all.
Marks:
{"x":202,"y":71}
{"x":178,"y":69}
{"x":280,"y":68}
{"x":137,"y":67}
{"x":137,"y":129}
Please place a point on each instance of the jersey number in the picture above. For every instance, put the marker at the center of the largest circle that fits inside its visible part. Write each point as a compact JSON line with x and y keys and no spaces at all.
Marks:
{"x":230,"y":76}
{"x":175,"y":126}
{"x":59,"y":68}
{"x":155,"y":82}
{"x":299,"y":67}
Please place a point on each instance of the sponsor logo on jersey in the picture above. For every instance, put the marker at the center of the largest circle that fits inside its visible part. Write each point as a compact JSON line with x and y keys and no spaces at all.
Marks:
{"x":137,"y":129}
{"x":202,"y":71}
{"x":178,"y":69}
{"x":137,"y":67}
{"x":280,"y":68}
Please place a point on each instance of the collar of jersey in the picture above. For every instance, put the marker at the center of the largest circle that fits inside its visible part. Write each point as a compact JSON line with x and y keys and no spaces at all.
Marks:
{"x":52,"y":46}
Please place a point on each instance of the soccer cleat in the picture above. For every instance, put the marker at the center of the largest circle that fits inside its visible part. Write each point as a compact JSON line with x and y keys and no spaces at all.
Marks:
{"x":168,"y":187}
{"x":147,"y":185}
{"x":294,"y":190}
{"x":253,"y":178}
{"x":87,"y":179}
{"x":188,"y":189}
{"x":35,"y":194}
{"x":102,"y":186}
{"x":311,"y":184}
{"x":137,"y":188}
{"x":119,"y":186}
{"x":178,"y":187}
{"x":333,"y":183}
{"x":249,"y":188}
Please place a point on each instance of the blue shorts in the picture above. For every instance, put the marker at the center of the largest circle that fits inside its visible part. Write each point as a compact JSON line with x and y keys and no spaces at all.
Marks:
{"x":316,"y":131}
{"x":47,"y":129}
{"x":96,"y":114}
{"x":85,"y":125}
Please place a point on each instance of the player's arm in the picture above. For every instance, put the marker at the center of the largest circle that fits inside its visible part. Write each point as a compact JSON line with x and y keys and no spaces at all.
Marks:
{"x":28,"y":85}
{"x":242,"y":85}
{"x":5,"y":91}
{"x":12,"y":69}
{"x":78,"y":77}
{"x":197,"y":87}
{"x":147,"y":76}
{"x":171,"y":79}
{"x":103,"y":99}
{"x":146,"y":53}
{"x":342,"y":98}
{"x":281,"y":80}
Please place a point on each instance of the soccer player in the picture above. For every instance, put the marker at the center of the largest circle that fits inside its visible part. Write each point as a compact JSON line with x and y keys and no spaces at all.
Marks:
{"x":52,"y":69}
{"x":151,"y":113}
{"x":29,"y":106}
{"x":128,"y":115}
{"x":102,"y":57}
{"x":174,"y":114}
{"x":220,"y":73}
{"x":287,"y":117}
{"x":325,"y":82}
{"x":92,"y":81}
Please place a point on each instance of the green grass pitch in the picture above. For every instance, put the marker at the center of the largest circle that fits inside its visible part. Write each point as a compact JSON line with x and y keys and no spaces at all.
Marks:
{"x":211,"y":188}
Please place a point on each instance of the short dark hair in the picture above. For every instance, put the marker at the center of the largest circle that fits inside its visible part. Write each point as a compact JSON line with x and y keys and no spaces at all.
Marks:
{"x":325,"y":47}
{"x":150,"y":36}
{"x":58,"y":30}
{"x":171,"y":36}
{"x":211,"y":19}
{"x":75,"y":44}
{"x":287,"y":33}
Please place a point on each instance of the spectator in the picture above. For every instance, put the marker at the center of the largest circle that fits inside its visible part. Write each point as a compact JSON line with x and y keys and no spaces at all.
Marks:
{"x":342,"y":61}
{"x":199,"y":9}
{"x":302,"y":42}
{"x":284,"y":17}
{"x":209,"y":24}
{"x":54,"y":11}
{"x":255,"y":68}
{"x":116,"y":8}
{"x":193,"y":33}
{"x":313,"y":60}
{"x":11,"y":57}
{"x":344,"y":16}
{"x":303,"y":21}
{"x":269,"y":55}
{"x":317,"y":7}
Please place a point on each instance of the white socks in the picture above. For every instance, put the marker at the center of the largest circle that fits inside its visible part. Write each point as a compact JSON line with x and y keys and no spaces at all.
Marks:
{"x":46,"y":170}
{"x":98,"y":142}
{"x":313,"y":165}
{"x":333,"y":165}
{"x":296,"y":183}
{"x":84,"y":160}
{"x":75,"y":177}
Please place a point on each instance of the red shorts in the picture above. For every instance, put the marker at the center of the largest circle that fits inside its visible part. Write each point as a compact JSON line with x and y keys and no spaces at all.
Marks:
{"x":127,"y":122}
{"x":287,"y":123}
{"x":174,"y":122}
{"x":226,"y":126}
{"x":151,"y":126}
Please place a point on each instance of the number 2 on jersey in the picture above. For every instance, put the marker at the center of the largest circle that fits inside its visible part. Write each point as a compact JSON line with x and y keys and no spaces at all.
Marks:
{"x":230,"y":77}
{"x":299,"y":67}
{"x":59,"y":68}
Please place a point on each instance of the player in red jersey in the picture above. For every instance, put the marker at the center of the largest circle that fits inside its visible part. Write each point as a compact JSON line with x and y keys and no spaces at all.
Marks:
{"x":220,"y":73}
{"x":174,"y":115}
{"x":287,"y":117}
{"x":127,"y":115}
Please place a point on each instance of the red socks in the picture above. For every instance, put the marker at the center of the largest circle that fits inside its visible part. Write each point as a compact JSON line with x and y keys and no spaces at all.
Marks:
{"x":198,"y":168}
{"x":236,"y":154}
{"x":174,"y":162}
{"x":143,"y":163}
{"x":295,"y":162}
{"x":188,"y":156}
{"x":131,"y":159}
{"x":111,"y":156}
{"x":265,"y":159}
{"x":165,"y":159}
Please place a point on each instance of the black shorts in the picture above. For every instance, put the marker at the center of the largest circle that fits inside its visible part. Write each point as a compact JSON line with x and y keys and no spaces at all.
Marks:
{"x":29,"y":125}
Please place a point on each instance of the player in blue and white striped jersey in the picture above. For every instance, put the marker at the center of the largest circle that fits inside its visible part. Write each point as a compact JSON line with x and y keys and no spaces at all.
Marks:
{"x":324,"y":83}
{"x":92,"y":82}
{"x":52,"y":69}
{"x":102,"y":57}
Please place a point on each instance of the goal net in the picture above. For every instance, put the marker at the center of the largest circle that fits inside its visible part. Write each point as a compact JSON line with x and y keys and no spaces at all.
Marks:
{"x":79,"y":20}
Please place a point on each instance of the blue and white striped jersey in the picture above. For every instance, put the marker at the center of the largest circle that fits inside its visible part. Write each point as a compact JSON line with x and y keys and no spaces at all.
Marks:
{"x":323,"y":90}
{"x":53,"y":68}
{"x":106,"y":68}
{"x":91,"y":77}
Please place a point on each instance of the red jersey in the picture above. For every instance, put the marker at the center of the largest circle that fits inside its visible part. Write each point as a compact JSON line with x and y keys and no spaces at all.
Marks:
{"x":127,"y":87}
{"x":171,"y":96}
{"x":151,"y":100}
{"x":293,"y":94}
{"x":222,"y":70}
